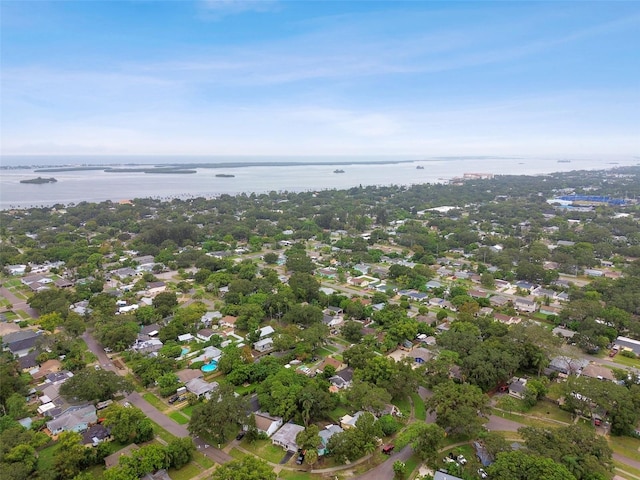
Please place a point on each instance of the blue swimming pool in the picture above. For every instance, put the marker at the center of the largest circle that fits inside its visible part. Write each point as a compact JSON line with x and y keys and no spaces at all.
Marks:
{"x":184,"y":351}
{"x":209,"y":367}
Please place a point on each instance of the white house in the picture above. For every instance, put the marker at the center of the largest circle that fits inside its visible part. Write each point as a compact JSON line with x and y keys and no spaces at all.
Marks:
{"x":286,"y":436}
{"x":267,"y":424}
{"x":264,"y":345}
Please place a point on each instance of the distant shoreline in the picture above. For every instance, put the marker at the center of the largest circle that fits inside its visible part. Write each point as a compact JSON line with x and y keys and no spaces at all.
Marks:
{"x":187,"y":167}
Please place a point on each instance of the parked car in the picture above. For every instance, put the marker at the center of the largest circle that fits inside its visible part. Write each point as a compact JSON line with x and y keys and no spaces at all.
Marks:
{"x":387,"y":449}
{"x":300,"y":459}
{"x":461,"y":460}
{"x":241,"y":435}
{"x":482,"y":473}
{"x":174,"y":399}
{"x":449,"y":460}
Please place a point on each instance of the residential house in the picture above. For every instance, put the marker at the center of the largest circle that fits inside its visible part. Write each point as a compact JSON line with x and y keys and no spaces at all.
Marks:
{"x":506,"y":319}
{"x":498,"y":300}
{"x":209,"y":353}
{"x":286,"y":436}
{"x":567,"y":365}
{"x":206,"y":334}
{"x":228,"y":321}
{"x":563,"y":332}
{"x":627,"y":343}
{"x":267,"y":424}
{"x":46,"y":368}
{"x":598,"y":371}
{"x":439,"y":475}
{"x":550,"y":310}
{"x":154,"y":288}
{"x":266,"y":331}
{"x":209,"y":318}
{"x":201,"y":388}
{"x":525,"y":305}
{"x":22,"y":342}
{"x":336,"y":364}
{"x":517,"y":387}
{"x":75,"y":419}
{"x":349,"y":421}
{"x":189,"y":374}
{"x":264,"y":345}
{"x":326,"y":434}
{"x":343,"y":378}
{"x":95,"y":435}
{"x":186,"y":337}
{"x":147,"y":347}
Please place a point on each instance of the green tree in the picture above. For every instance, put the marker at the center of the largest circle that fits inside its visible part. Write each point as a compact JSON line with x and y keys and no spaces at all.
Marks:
{"x":70,"y":455}
{"x":95,"y":385}
{"x":219,"y":418}
{"x":308,"y":439}
{"x":247,"y":468}
{"x":519,"y":465}
{"x":426,"y":439}
{"x":460,"y":408}
{"x":128,"y":424}
{"x":50,"y":321}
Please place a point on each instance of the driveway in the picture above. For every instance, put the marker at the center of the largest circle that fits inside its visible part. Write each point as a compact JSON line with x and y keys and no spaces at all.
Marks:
{"x":385,"y":470}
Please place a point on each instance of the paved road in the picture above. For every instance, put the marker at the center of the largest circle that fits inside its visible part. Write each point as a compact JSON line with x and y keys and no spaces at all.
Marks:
{"x":150,"y":411}
{"x":99,"y":352}
{"x":500,"y":424}
{"x":385,"y":470}
{"x":18,"y":303}
{"x":626,"y":460}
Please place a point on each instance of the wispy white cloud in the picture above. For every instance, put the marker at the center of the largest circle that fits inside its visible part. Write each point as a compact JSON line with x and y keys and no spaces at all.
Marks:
{"x":216,"y":9}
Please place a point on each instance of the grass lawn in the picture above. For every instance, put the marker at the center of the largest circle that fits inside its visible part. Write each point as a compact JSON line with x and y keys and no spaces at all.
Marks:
{"x":627,"y":446}
{"x":45,"y":458}
{"x":404,"y":406}
{"x":627,"y":362}
{"x":242,"y":390}
{"x":337,"y":413}
{"x":13,"y":283}
{"x":202,"y":460}
{"x":185,"y":473}
{"x":324,"y":351}
{"x":549,"y":410}
{"x":179,"y":417}
{"x":412,"y":463}
{"x":289,"y":475}
{"x":188,"y":410}
{"x":11,"y":316}
{"x":265,"y":450}
{"x":627,"y":468}
{"x":419,"y":409}
{"x":96,"y":471}
{"x":162,"y":433}
{"x":237,"y":454}
{"x":155,"y":401}
{"x":23,"y":315}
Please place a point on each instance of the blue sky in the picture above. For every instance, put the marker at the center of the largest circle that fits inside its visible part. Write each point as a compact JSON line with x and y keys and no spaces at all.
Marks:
{"x":263,"y":77}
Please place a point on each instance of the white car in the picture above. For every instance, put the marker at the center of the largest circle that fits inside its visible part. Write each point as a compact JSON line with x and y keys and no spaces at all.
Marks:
{"x":449,"y":460}
{"x":482,"y":473}
{"x":461,"y":460}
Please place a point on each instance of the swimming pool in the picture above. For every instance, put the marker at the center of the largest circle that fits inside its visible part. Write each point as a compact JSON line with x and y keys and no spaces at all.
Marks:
{"x":209,"y":367}
{"x":184,"y":351}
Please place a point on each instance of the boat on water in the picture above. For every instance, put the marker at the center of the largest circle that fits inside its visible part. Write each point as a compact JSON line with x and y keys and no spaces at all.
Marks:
{"x":338,"y":170}
{"x":224,"y":175}
{"x":564,"y":161}
{"x":419,"y":167}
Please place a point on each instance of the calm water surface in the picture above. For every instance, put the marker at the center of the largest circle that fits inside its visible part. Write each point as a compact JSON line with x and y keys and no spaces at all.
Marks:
{"x":97,"y":185}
